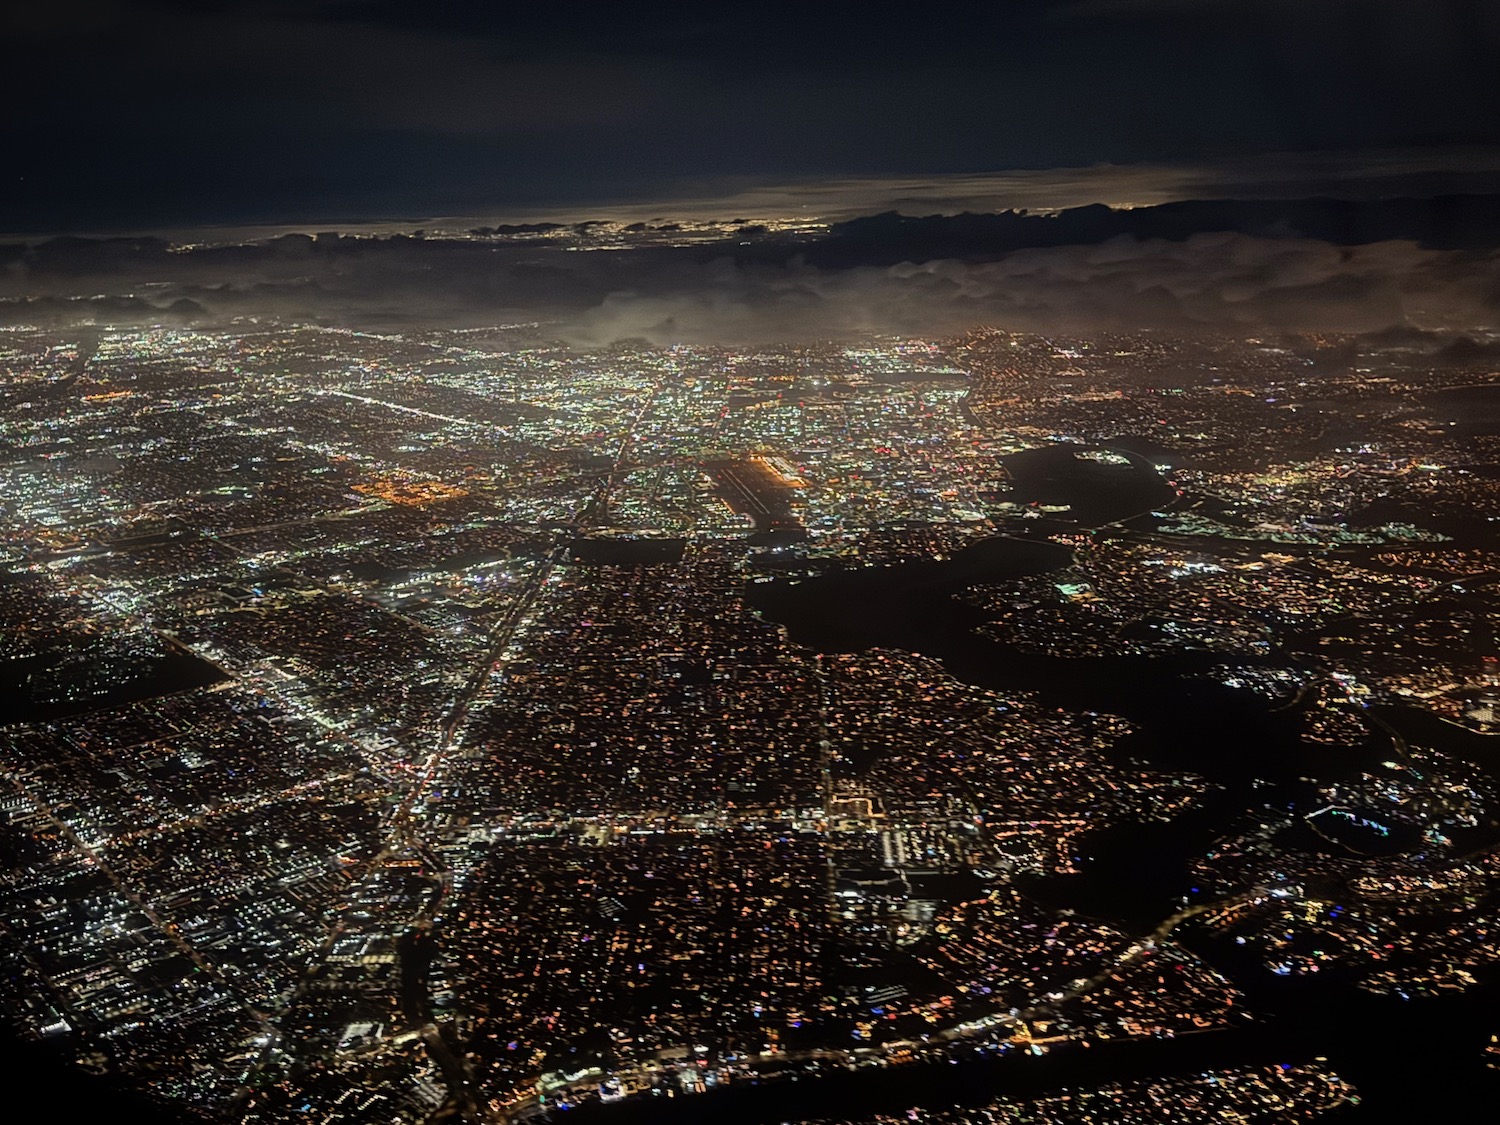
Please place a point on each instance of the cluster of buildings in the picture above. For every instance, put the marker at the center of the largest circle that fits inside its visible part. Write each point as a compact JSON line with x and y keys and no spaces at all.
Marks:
{"x":402,"y":733}
{"x":1274,"y":1093}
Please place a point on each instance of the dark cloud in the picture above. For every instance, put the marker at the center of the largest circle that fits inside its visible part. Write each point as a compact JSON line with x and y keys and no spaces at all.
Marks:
{"x":1347,"y":175}
{"x":62,"y":19}
{"x":1226,"y":282}
{"x":1447,"y":222}
{"x":1466,"y":350}
{"x":1203,"y":267}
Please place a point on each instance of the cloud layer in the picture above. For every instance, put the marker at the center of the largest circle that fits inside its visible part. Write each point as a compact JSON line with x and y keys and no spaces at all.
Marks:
{"x":1206,"y":283}
{"x":1180,"y":267}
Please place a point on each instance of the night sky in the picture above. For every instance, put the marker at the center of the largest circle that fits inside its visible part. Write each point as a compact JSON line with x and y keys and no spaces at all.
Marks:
{"x":1215,"y":167}
{"x":147,"y":115}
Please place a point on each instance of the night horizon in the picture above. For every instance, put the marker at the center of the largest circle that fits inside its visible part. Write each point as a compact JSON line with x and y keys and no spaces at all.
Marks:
{"x":800,"y":564}
{"x":151,"y":115}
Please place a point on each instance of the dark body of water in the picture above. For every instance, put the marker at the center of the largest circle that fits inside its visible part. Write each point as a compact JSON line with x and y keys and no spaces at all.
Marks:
{"x":1415,"y":1060}
{"x":1410,"y":1062}
{"x":1186,"y":724}
{"x":46,"y":1072}
{"x":1469,"y":410}
{"x":35,"y":691}
{"x":970,"y":1081}
{"x":1097,"y":485}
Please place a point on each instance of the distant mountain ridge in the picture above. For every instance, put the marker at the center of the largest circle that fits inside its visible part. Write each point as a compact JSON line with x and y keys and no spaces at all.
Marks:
{"x":1446,"y":222}
{"x":1449,"y":222}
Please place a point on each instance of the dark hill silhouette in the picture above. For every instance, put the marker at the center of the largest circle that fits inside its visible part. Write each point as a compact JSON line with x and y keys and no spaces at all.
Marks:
{"x":1452,"y":222}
